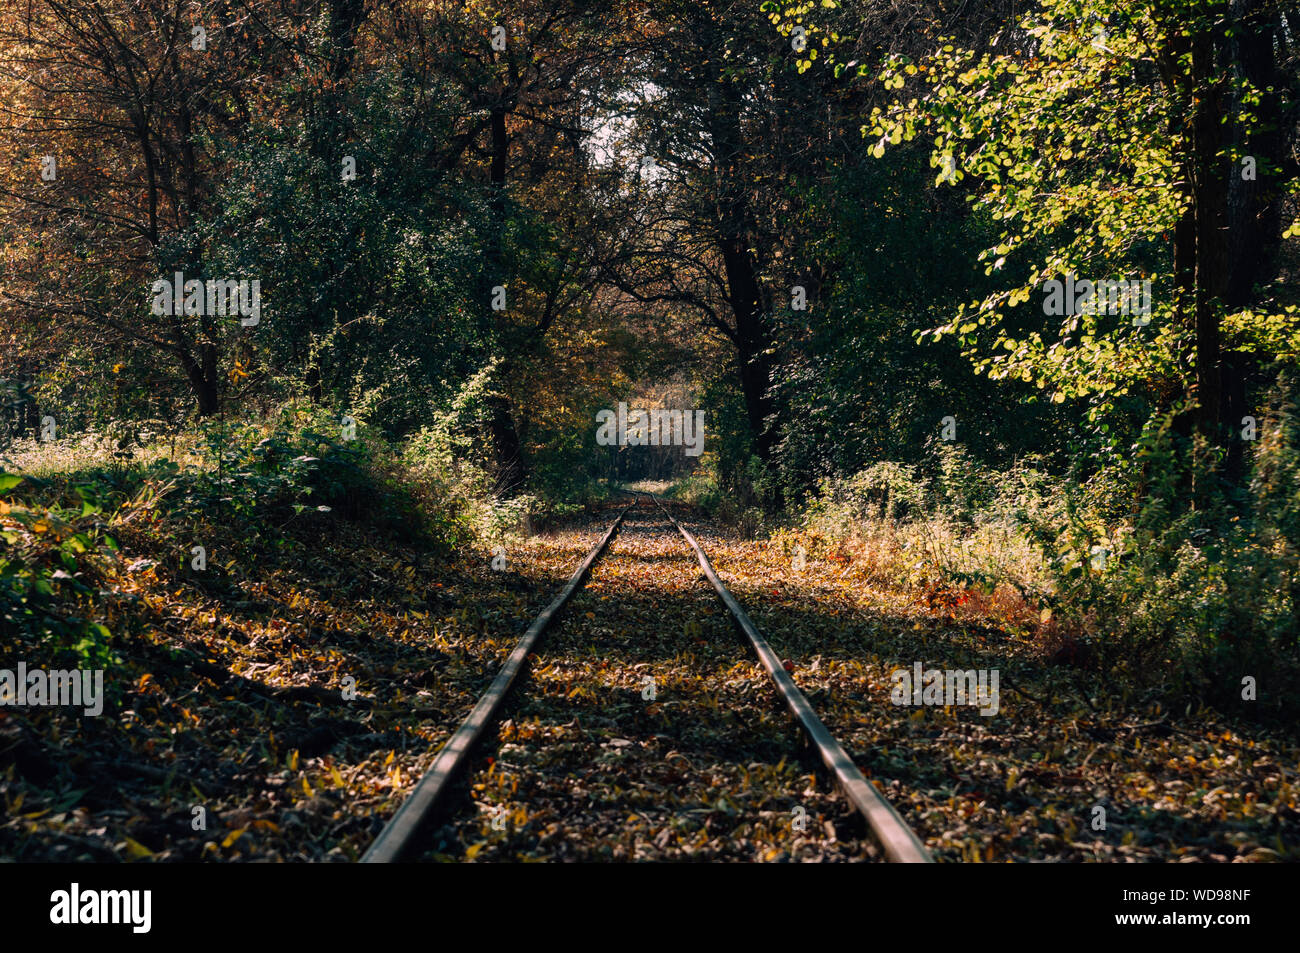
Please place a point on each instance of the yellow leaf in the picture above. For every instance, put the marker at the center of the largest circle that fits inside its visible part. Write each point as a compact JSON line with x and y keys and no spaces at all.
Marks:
{"x":307,"y":787}
{"x":234,"y":836}
{"x":474,"y":849}
{"x":137,"y":850}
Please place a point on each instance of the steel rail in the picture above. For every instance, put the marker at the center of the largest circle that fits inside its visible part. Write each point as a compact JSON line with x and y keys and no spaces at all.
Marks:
{"x":899,"y":841}
{"x":400,"y":831}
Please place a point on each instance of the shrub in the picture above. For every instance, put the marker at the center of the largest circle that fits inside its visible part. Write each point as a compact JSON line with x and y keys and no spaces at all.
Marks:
{"x":52,"y":564}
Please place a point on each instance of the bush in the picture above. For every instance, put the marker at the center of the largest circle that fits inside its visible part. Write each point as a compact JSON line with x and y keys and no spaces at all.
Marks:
{"x":51,"y":567}
{"x":1186,"y":600}
{"x":1204,"y":596}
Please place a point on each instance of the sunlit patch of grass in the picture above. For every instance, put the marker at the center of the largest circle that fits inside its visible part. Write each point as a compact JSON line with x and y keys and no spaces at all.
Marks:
{"x":659,"y":487}
{"x":68,"y":456}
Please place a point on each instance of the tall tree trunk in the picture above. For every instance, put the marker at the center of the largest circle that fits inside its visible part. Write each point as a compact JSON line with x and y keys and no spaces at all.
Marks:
{"x":1213,"y":375}
{"x":346,"y":17}
{"x":736,"y":230}
{"x":1254,"y":205}
{"x":512,"y":470}
{"x":203,"y":380}
{"x":506,"y":444}
{"x":1237,"y":219}
{"x":751,"y":344}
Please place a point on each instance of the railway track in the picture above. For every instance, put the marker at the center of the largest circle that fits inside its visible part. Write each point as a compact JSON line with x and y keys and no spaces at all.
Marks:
{"x":644,"y":799}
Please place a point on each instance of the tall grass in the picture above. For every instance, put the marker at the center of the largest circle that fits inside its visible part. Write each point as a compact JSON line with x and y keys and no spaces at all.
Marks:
{"x":1192,"y":600}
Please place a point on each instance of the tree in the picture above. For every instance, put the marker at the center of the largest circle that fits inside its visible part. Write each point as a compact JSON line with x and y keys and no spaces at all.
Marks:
{"x":123,"y":98}
{"x":726,"y":121}
{"x":1108,"y":140}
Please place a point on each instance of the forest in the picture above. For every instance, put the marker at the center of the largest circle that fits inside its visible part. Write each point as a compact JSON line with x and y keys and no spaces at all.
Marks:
{"x":333,"y":333}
